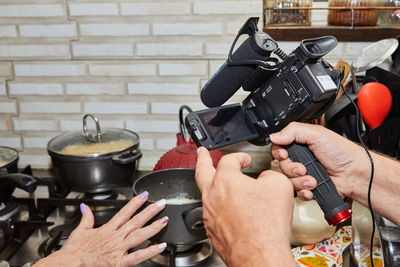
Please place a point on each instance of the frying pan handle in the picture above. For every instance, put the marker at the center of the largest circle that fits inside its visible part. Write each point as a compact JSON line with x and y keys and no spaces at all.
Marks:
{"x":122,"y":160}
{"x":23,"y":181}
{"x":194,"y":219}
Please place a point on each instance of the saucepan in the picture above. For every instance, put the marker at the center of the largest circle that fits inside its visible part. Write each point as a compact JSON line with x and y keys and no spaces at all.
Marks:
{"x":87,"y":162}
{"x":9,"y":178}
{"x":184,"y":209}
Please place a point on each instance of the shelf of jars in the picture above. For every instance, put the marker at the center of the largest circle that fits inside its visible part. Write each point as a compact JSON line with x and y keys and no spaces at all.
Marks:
{"x":291,"y":20}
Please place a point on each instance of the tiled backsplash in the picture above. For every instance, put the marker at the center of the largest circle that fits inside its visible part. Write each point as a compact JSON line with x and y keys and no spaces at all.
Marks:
{"x":130,"y":62}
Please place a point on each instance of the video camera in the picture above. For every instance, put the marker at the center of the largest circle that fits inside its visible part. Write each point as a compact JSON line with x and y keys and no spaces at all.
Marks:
{"x":299,"y":88}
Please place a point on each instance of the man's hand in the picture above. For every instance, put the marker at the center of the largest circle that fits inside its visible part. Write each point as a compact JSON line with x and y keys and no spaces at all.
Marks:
{"x":247,"y":220}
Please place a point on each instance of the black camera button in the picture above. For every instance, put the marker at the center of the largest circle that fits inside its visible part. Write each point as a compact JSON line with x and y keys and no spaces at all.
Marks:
{"x":197,"y":132}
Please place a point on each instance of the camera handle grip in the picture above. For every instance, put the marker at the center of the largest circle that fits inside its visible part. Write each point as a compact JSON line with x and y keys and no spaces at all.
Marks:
{"x":335,"y":209}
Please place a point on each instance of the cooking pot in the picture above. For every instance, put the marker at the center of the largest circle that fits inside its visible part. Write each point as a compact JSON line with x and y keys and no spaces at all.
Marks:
{"x":185,"y":227}
{"x":9,"y":178}
{"x":87,"y":162}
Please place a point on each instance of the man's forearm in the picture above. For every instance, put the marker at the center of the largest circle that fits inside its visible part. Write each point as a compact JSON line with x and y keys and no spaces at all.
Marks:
{"x":385,"y":191}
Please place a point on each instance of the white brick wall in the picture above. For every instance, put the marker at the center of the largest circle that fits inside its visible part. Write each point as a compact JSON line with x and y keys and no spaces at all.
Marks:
{"x":173,"y":108}
{"x":8,"y":31}
{"x":49,"y":69}
{"x":33,"y":10}
{"x":163,"y":88}
{"x":177,"y":49}
{"x":3,"y":88}
{"x":156,"y":126}
{"x":131,"y":63}
{"x":35,"y":125}
{"x":227,"y":7}
{"x":5,"y":69}
{"x":146,"y":144}
{"x":4,"y":125}
{"x":77,"y":124}
{"x":141,"y":69}
{"x":115,"y":108}
{"x":42,"y":51}
{"x":40,"y":161}
{"x":187,"y":28}
{"x":36,"y":142}
{"x":16,"y":88}
{"x":95,"y":89}
{"x":49,"y":30}
{"x":10,"y":141}
{"x":166,"y":143}
{"x":8,"y":106}
{"x":218,"y":49}
{"x":153,"y":9}
{"x":102,"y":50}
{"x":93,"y":9}
{"x":183,"y":69}
{"x":114,"y":29}
{"x":50,"y":107}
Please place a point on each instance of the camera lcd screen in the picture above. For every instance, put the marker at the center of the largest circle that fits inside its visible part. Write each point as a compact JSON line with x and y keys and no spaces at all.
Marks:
{"x":227,"y":125}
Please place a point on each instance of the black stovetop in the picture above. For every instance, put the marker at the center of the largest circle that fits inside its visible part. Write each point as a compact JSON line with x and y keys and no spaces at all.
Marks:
{"x":47,"y":217}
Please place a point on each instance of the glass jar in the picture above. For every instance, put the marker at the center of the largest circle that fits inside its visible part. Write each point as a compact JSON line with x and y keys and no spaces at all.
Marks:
{"x":287,"y":17}
{"x":348,"y":17}
{"x":390,"y":17}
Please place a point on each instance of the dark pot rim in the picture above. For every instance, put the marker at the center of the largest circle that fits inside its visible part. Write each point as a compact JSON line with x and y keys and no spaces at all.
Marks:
{"x":12,"y":162}
{"x":135,"y":193}
{"x":130,"y":149}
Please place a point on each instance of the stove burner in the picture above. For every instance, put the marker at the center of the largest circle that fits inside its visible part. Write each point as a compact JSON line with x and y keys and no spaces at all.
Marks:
{"x":7,"y":210}
{"x":102,"y":195}
{"x":61,"y":233}
{"x":191,"y":257}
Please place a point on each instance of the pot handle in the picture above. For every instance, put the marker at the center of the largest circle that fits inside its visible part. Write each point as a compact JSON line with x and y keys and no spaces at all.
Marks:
{"x":23,"y":181}
{"x":122,"y":160}
{"x":194,"y":219}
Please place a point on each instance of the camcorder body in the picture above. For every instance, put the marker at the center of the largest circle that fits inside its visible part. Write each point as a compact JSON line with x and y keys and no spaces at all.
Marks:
{"x":299,"y":87}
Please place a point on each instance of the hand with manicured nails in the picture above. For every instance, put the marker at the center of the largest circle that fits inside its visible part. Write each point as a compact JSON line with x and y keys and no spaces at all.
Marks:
{"x":340,"y":157}
{"x":247,"y":220}
{"x":108,"y":245}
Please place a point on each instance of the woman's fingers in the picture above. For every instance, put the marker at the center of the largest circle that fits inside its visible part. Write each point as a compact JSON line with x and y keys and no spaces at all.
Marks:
{"x":143,"y":217}
{"x":127,"y":211}
{"x":87,"y":220}
{"x":143,"y":254}
{"x":138,"y":236}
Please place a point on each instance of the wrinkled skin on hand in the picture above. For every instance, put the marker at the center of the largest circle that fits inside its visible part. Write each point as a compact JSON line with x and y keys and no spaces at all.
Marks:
{"x":108,"y":245}
{"x":247,"y":220}
{"x":340,"y":157}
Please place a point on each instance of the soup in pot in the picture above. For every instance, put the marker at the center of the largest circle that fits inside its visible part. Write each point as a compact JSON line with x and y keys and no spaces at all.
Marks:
{"x":96,"y":148}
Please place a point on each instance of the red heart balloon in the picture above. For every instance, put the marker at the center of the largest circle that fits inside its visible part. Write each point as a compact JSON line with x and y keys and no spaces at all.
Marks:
{"x":374,"y":102}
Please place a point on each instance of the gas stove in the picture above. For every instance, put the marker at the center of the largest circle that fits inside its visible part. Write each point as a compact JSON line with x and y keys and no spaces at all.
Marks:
{"x":46,"y":217}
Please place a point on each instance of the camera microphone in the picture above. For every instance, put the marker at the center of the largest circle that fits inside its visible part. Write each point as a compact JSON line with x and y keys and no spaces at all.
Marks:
{"x":253,"y":52}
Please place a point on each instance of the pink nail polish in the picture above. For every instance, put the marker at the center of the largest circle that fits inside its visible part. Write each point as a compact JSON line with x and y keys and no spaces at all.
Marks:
{"x":162,"y":245}
{"x":164,"y":220}
{"x":82,"y":207}
{"x":144,"y":195}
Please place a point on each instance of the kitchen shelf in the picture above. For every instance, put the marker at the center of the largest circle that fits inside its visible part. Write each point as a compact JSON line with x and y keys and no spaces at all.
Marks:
{"x":342,"y":33}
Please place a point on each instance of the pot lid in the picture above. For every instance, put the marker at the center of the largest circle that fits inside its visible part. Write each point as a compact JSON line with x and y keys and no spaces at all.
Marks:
{"x":7,"y":155}
{"x":93,"y":143}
